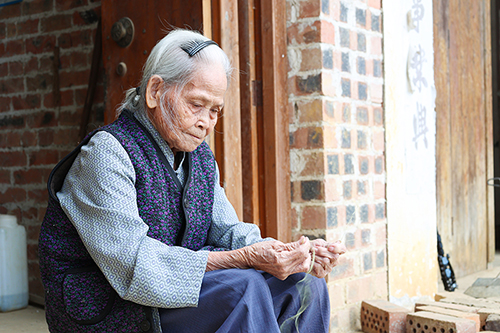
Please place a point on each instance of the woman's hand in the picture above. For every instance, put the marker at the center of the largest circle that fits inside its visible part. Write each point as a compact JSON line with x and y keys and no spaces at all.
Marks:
{"x":326,"y":256}
{"x":279,"y":259}
{"x":273,"y":257}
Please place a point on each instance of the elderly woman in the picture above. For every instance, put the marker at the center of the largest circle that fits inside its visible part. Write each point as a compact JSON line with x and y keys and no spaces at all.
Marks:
{"x":139,"y":236}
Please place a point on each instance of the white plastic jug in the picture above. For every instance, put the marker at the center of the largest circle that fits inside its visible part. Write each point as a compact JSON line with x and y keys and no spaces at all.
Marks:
{"x":13,"y":265}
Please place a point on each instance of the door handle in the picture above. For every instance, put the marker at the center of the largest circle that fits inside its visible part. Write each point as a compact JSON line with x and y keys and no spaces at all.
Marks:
{"x":122,"y":32}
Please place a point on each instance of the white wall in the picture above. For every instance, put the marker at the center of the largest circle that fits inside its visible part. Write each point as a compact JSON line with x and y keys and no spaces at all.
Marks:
{"x":410,"y":125}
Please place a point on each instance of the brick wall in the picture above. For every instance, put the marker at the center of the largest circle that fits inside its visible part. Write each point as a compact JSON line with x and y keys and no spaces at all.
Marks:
{"x":45,"y":57}
{"x":337,"y":143}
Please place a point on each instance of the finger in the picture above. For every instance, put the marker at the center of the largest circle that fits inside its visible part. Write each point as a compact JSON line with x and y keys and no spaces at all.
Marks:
{"x":337,"y":248}
{"x":318,"y":242}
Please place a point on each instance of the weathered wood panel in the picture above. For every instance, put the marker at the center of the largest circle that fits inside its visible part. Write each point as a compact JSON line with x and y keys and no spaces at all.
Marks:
{"x":462,"y":131}
{"x":251,"y":110}
{"x":228,"y":130}
{"x":275,"y":120}
{"x":152,"y":19}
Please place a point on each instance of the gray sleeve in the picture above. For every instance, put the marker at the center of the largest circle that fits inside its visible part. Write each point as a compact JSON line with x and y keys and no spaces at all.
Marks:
{"x":98,"y":196}
{"x":227,"y":231}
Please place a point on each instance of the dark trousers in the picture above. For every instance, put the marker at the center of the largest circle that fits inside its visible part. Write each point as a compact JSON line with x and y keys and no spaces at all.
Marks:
{"x":246,"y":300}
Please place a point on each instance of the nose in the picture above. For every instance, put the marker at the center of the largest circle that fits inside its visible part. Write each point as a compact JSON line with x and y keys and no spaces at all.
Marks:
{"x":203,"y":121}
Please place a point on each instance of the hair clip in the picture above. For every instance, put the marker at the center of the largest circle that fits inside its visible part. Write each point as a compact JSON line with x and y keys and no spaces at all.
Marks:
{"x":137,"y":97}
{"x":195,"y":47}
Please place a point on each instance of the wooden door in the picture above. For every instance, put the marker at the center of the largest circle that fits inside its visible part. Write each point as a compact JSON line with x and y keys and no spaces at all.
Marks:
{"x":152,"y":19}
{"x":464,"y":132}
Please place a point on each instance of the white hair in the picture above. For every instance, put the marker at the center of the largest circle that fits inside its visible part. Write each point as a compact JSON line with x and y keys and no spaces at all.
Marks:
{"x":169,"y":61}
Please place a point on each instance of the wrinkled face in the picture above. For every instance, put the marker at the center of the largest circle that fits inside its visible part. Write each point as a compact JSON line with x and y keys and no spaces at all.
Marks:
{"x":197,"y":107}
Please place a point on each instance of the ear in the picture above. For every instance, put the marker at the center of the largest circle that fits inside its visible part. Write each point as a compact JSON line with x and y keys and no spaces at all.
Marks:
{"x":153,"y":91}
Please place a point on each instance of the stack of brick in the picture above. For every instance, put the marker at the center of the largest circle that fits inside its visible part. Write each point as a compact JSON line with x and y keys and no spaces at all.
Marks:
{"x":337,"y":142}
{"x":45,"y":57}
{"x":457,"y":315}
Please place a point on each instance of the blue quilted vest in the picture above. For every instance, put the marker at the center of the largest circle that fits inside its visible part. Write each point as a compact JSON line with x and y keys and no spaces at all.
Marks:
{"x":78,"y":298}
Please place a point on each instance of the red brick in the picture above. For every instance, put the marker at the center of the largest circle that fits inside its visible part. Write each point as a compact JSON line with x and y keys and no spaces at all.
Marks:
{"x":307,"y":137}
{"x":294,"y":217}
{"x":11,"y":30}
{"x":10,"y":11}
{"x":31,"y":176}
{"x":35,"y":287}
{"x":344,"y":269}
{"x":452,"y":306}
{"x":13,"y":195}
{"x":309,"y":9}
{"x":368,"y":287}
{"x":331,"y":191}
{"x":32,"y":231}
{"x":12,"y":85}
{"x":453,"y":313}
{"x":4,"y":69}
{"x":40,"y":44}
{"x":31,"y":214}
{"x":327,"y":33}
{"x":4,"y":176}
{"x":56,"y":22}
{"x":374,"y":4}
{"x":76,"y":38}
{"x":312,"y":164}
{"x":380,"y":233}
{"x":14,"y":47}
{"x":337,"y":296}
{"x":378,"y":190}
{"x":302,"y":33}
{"x":46,"y":137}
{"x":39,"y":196}
{"x":441,"y":323}
{"x":376,"y":92}
{"x":62,"y":5}
{"x":314,"y":217}
{"x":32,"y":253}
{"x":376,"y":46}
{"x":312,"y":59}
{"x":378,"y":140}
{"x":68,"y":118}
{"x":26,"y":102}
{"x":5,"y":104}
{"x":310,"y":110}
{"x":42,"y":119}
{"x":43,"y":157}
{"x":31,"y":66}
{"x":16,"y":68}
{"x":36,"y":6}
{"x":10,"y":139}
{"x":73,"y":78}
{"x":382,"y":316}
{"x":27,"y":27}
{"x":12,"y":158}
{"x":28,"y":139}
{"x":2,"y":31}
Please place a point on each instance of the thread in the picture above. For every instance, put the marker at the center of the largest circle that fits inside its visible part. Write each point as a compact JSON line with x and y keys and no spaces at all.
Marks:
{"x":304,"y":289}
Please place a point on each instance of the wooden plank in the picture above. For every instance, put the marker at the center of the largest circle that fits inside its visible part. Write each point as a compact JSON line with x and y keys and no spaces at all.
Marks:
{"x":275,"y":119}
{"x":490,"y":167}
{"x":443,"y":128}
{"x":228,"y":138}
{"x":249,"y":42}
{"x":461,"y":137}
